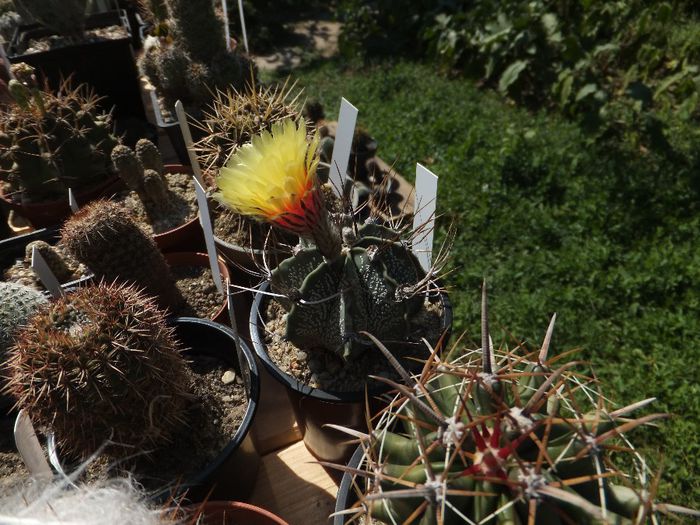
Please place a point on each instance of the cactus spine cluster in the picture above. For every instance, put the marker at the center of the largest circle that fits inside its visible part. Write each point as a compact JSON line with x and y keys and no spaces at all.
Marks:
{"x":99,"y":365}
{"x":500,"y":438}
{"x":104,"y":238}
{"x":235,"y":117}
{"x":65,"y":17}
{"x":52,"y":142}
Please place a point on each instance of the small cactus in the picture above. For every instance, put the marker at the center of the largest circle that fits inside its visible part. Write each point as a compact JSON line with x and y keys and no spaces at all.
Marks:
{"x":128,"y":167}
{"x":53,"y":259}
{"x":101,"y":365}
{"x":104,"y":238}
{"x":138,"y":170}
{"x":17,"y":304}
{"x":150,"y":157}
{"x":494,"y":437}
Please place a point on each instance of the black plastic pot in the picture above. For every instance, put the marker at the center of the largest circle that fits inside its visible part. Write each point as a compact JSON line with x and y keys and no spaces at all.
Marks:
{"x":314,"y":407}
{"x":347,"y":497}
{"x":222,"y":478}
{"x":107,"y":66}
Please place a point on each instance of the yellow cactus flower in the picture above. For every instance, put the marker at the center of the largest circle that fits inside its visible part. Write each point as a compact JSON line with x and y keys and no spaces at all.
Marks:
{"x":273,"y":178}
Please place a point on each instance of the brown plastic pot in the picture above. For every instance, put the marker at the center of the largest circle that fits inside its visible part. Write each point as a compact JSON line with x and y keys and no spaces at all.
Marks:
{"x":232,"y":513}
{"x":186,"y":237}
{"x":314,"y":407}
{"x":50,"y":213}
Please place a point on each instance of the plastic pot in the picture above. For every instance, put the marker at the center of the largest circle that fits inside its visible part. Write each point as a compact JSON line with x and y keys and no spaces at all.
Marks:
{"x":51,"y":213}
{"x":221,"y":477}
{"x":232,"y":513}
{"x":347,"y":497}
{"x":187,"y":236}
{"x":314,"y":407}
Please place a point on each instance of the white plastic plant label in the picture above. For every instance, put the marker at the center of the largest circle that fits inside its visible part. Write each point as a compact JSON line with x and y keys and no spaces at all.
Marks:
{"x":424,"y":216}
{"x":45,"y":275}
{"x":205,"y":221}
{"x":72,"y":202}
{"x":243,"y":29}
{"x":30,"y":449}
{"x":347,"y":117}
{"x":187,"y":135}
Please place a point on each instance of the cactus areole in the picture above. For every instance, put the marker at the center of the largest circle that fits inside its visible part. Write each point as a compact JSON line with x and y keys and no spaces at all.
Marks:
{"x":345,"y":278}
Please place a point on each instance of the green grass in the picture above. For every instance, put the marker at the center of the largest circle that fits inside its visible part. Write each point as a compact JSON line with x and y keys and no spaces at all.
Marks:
{"x":607,"y":238}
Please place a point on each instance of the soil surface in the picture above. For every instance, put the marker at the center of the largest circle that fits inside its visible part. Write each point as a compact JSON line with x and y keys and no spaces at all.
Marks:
{"x":319,"y":368}
{"x":180,"y":207}
{"x":91,"y":35}
{"x":12,"y":469}
{"x":197,"y":286}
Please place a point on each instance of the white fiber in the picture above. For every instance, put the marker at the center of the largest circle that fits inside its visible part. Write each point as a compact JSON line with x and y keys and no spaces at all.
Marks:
{"x":112,"y":502}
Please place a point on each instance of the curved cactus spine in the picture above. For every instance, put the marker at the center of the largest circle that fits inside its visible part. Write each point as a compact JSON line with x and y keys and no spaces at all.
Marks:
{"x":492,"y":437}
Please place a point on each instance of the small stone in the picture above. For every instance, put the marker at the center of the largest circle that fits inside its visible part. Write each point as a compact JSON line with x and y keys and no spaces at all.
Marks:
{"x":301,"y":355}
{"x":228,"y":377}
{"x":227,"y":399}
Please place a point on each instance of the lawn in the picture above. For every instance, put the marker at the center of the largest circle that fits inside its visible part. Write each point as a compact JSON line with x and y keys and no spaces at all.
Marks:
{"x":606,"y":236}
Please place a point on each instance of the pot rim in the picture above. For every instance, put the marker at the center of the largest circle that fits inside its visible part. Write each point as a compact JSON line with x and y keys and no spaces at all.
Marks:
{"x":294,"y":384}
{"x":225,"y":505}
{"x":344,"y":494}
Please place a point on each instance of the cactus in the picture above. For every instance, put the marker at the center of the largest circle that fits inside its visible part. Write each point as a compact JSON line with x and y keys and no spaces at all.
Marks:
{"x":150,"y":157}
{"x":128,"y":167}
{"x":17,"y":304}
{"x":104,"y":238}
{"x":197,"y":29}
{"x":496,"y":437}
{"x":50,"y":142}
{"x":101,"y":365}
{"x":65,"y":17}
{"x":148,"y":183}
{"x":53,"y":260}
{"x":235,"y":117}
{"x":352,"y":278}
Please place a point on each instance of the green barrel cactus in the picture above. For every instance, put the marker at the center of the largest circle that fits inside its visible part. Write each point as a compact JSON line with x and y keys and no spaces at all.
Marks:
{"x":100,"y":364}
{"x":504,"y":437}
{"x":51,"y":142}
{"x":17,"y":304}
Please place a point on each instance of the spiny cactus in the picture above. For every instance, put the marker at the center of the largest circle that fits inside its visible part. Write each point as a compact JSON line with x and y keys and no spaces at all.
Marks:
{"x":17,"y":304}
{"x":496,"y":437}
{"x":50,"y":142}
{"x":235,"y":117}
{"x":104,"y":238}
{"x":348,"y":278}
{"x":149,"y":155}
{"x":197,"y":28}
{"x":98,"y":365}
{"x":65,"y":17}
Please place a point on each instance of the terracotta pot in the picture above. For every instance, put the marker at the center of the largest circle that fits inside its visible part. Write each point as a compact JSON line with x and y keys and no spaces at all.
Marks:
{"x":186,"y":237}
{"x":233,"y":513}
{"x":50,"y":213}
{"x":175,"y":259}
{"x":314,"y":407}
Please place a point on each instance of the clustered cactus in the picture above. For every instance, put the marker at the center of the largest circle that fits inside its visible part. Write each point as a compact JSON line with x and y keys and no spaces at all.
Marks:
{"x":100,"y":365}
{"x":196,"y":61}
{"x":52,"y":142}
{"x":104,"y":238}
{"x":142,"y":172}
{"x":495,"y":437}
{"x":65,"y":17}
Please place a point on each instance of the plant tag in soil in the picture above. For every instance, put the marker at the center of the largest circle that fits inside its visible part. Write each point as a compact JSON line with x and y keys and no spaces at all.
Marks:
{"x":72,"y":202}
{"x":205,"y":221}
{"x":187,"y":135}
{"x":347,"y":116}
{"x":424,"y":217}
{"x":30,"y":449}
{"x":45,"y":275}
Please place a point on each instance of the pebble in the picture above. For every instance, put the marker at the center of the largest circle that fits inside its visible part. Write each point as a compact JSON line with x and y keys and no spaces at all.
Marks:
{"x":301,"y":355}
{"x":228,"y":377}
{"x":227,"y":399}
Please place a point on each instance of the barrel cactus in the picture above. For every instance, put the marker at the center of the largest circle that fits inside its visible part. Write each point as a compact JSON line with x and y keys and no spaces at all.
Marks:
{"x":504,"y":437}
{"x":99,"y":365}
{"x":51,"y":142}
{"x":345,"y":278}
{"x":17,"y":304}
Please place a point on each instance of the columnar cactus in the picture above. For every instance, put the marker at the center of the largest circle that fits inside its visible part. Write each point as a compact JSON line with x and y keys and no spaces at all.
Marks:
{"x":494,"y":437}
{"x":134,"y":167}
{"x":149,"y":155}
{"x":99,"y":365}
{"x":351,"y":279}
{"x":50,"y":142}
{"x":105,"y":239}
{"x":197,"y":28}
{"x":65,"y":17}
